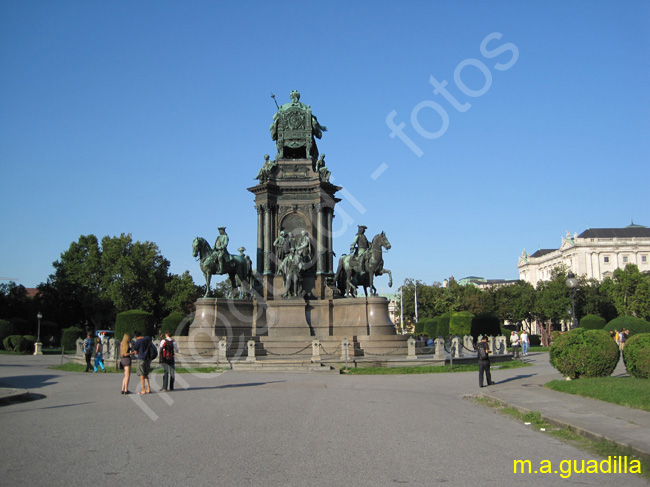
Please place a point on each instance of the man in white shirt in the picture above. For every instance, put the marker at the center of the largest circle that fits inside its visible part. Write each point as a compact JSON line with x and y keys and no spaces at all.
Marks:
{"x":514,"y":342}
{"x":525,"y":342}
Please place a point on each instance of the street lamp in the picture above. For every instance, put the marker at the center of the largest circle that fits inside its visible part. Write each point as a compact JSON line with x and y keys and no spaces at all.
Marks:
{"x":38,"y":345}
{"x":572,"y":284}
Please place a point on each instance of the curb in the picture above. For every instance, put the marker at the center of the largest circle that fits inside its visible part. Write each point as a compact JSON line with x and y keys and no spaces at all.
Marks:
{"x":574,"y":429}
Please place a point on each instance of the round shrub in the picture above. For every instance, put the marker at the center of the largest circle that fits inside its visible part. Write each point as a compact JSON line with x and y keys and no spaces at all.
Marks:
{"x":28,"y":343}
{"x":485,"y":324}
{"x":8,"y":342}
{"x":632,"y":324}
{"x":584,"y":353}
{"x":177,"y":324}
{"x":636,"y":355}
{"x":70,"y":336}
{"x":6,"y":329}
{"x":135,"y":319}
{"x":592,"y":322}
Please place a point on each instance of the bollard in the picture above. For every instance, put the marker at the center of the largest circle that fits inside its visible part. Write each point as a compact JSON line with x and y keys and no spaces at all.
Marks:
{"x":251,"y":351}
{"x":457,"y":346}
{"x":345,"y":355}
{"x":222,"y":351}
{"x":439,"y":347}
{"x":411,"y":353}
{"x":315,"y":351}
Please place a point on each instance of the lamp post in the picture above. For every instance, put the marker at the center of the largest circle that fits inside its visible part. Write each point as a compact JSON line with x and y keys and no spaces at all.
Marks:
{"x":38,"y":345}
{"x":572,"y":284}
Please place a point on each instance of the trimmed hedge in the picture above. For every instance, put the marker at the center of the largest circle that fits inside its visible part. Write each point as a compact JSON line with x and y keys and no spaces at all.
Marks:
{"x":636,"y":355}
{"x":19,"y":343}
{"x":485,"y":324}
{"x":593,"y":322}
{"x":176,"y":324}
{"x":460,"y":323}
{"x":443,"y":324}
{"x":6,"y":329}
{"x":429,"y":326}
{"x":135,"y":319}
{"x":584,"y":353}
{"x":419,"y":327}
{"x":632,"y":324}
{"x":70,"y":336}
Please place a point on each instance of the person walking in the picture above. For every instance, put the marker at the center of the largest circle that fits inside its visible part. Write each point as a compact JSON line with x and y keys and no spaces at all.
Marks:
{"x":141,"y":346}
{"x":168,"y":351}
{"x":514,"y":342}
{"x":99,"y":355}
{"x":125,"y":360}
{"x":88,"y":351}
{"x":483,"y":352}
{"x":525,"y":342}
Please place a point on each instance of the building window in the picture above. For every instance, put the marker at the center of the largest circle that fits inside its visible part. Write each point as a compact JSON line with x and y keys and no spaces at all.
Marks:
{"x":625,"y":259}
{"x":644,"y":258}
{"x":606,"y":259}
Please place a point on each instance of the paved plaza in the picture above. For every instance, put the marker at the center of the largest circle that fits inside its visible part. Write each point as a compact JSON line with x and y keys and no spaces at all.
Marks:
{"x":288,"y":429}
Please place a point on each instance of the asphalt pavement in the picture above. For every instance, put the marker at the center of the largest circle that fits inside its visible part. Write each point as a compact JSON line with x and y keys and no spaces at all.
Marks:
{"x":288,"y":429}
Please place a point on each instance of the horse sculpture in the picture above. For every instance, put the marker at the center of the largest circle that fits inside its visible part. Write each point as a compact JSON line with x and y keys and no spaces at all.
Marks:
{"x":238,"y":268}
{"x":352,"y":272}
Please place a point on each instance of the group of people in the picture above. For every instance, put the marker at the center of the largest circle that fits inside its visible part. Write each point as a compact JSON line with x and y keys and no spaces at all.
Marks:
{"x":142,"y":350}
{"x":620,"y":337}
{"x":517,"y":341}
{"x":289,"y":247}
{"x":94,"y":345}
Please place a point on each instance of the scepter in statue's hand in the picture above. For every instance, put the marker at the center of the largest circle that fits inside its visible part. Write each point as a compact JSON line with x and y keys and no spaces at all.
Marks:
{"x":276,"y":103}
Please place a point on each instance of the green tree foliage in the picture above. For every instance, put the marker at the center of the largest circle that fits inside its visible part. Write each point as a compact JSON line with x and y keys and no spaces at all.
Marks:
{"x":592,"y":322}
{"x":134,"y":320}
{"x":636,"y":355}
{"x":629,"y":291}
{"x":92,"y":283}
{"x":460,"y":323}
{"x":553,"y":304}
{"x":584,"y":353}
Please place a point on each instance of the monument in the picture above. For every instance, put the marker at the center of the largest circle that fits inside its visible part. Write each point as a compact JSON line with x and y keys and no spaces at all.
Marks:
{"x":294,"y":294}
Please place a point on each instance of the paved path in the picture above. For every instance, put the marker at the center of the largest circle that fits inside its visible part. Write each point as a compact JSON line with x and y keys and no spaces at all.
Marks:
{"x":278,"y":429}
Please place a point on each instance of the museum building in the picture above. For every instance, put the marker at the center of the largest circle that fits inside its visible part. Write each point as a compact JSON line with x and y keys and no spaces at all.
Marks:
{"x":595,"y":253}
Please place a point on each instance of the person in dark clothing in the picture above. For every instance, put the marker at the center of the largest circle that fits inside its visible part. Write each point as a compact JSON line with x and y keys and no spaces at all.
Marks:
{"x":168,"y":350}
{"x":88,"y":351}
{"x":141,"y":346}
{"x":484,"y":362}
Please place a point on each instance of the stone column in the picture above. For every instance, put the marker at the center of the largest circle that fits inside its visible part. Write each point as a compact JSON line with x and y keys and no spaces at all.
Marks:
{"x":491,"y":343}
{"x":320,"y":236}
{"x":260,"y":238}
{"x":330,"y":248}
{"x":267,"y":240}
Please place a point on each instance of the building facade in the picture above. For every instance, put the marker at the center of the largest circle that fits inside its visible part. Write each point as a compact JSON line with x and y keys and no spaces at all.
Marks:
{"x":595,"y":253}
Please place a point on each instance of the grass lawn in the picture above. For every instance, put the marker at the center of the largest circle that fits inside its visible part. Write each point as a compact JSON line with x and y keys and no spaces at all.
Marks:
{"x":433,"y":369}
{"x":625,"y":391}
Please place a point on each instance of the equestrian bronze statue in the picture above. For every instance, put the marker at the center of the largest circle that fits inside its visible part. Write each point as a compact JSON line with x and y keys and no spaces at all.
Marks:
{"x":360,"y":269}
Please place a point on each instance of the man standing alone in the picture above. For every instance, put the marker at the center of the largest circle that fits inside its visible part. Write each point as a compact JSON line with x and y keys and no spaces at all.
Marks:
{"x":141,"y":346}
{"x":168,"y":349}
{"x":88,"y":350}
{"x":483,"y":352}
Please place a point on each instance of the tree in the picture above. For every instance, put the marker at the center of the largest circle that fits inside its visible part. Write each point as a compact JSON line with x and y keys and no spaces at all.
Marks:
{"x":180,"y":293}
{"x":553,"y":304}
{"x":623,"y":288}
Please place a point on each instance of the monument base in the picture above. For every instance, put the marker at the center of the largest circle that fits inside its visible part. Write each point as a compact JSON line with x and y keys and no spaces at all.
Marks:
{"x":283,"y":327}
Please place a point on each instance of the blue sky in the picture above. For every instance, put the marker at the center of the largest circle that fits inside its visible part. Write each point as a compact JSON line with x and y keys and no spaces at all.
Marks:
{"x":152,"y":117}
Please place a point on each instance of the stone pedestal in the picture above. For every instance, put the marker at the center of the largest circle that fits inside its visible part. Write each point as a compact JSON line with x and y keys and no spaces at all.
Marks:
{"x":38,"y":348}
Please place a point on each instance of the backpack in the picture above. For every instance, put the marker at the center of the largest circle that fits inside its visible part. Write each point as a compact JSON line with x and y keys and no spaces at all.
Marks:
{"x":168,"y":351}
{"x":482,"y":353}
{"x":152,"y":353}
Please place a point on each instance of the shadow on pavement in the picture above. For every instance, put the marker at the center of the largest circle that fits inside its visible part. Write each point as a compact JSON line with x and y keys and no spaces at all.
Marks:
{"x":27,"y":381}
{"x":516,"y":377}
{"x":227,"y":386}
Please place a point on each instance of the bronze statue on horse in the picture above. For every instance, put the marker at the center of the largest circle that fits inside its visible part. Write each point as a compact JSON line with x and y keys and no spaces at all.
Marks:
{"x":220,"y":262}
{"x":364,"y":263}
